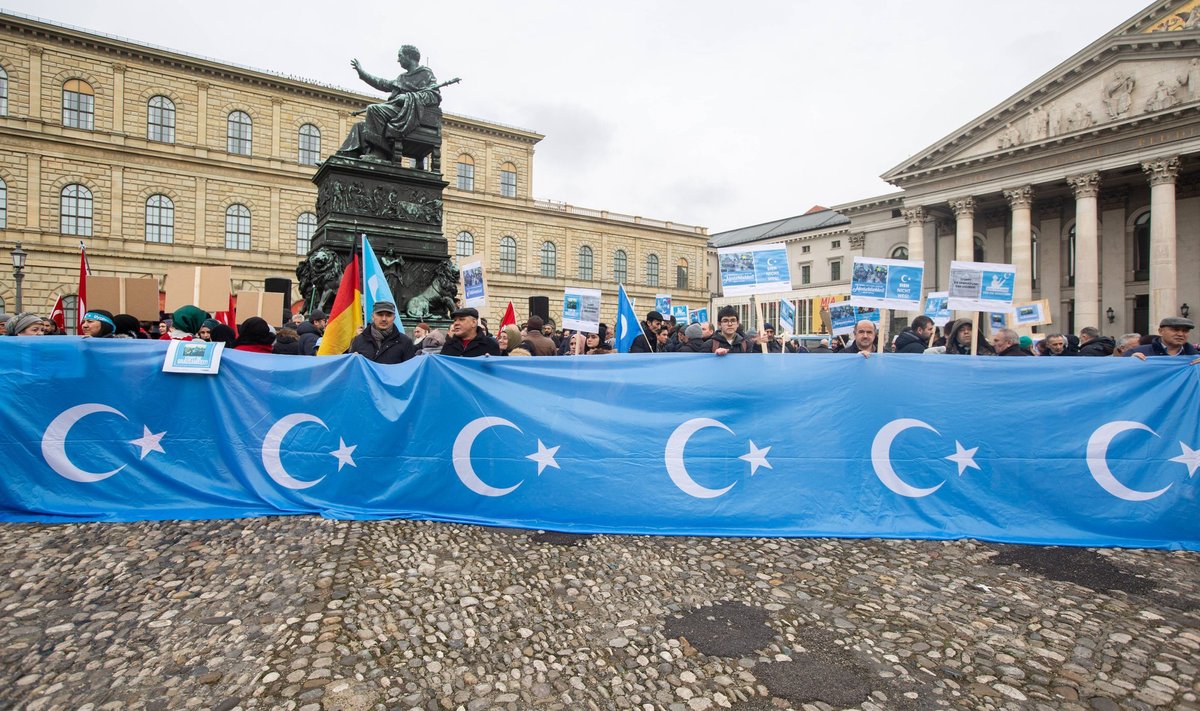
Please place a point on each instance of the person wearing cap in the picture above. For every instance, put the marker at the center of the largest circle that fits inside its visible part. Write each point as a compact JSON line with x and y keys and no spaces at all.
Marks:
{"x":536,"y":341}
{"x":98,"y":323}
{"x":381,"y":341}
{"x":648,"y":343}
{"x":466,"y":340}
{"x":768,"y":337}
{"x":24,"y":324}
{"x":309,"y":332}
{"x":1172,"y":340}
{"x":691,"y":340}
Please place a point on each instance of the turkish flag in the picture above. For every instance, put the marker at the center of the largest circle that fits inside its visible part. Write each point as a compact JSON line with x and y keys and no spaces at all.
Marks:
{"x":510,"y":317}
{"x":229,"y":318}
{"x":81,"y":301}
{"x":58,"y":316}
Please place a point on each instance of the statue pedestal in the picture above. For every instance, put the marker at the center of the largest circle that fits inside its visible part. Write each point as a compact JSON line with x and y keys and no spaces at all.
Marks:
{"x":400,"y":211}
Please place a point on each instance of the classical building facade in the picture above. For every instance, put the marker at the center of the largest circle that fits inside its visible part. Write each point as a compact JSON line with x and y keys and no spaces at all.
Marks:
{"x":1086,"y":180}
{"x":156,"y":159}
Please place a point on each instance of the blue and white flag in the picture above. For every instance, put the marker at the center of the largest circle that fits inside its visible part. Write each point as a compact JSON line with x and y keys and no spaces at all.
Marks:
{"x":787,"y":317}
{"x":628,"y":328}
{"x":375,"y":286}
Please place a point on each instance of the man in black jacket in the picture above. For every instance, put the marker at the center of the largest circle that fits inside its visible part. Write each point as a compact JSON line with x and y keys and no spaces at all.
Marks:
{"x":1091,"y":343}
{"x":915,"y":339}
{"x":465,"y":339}
{"x":648,"y":341}
{"x":310,"y":332}
{"x":381,"y":341}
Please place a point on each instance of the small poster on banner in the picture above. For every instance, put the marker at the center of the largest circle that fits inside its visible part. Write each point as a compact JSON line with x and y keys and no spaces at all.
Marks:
{"x":982,"y":286}
{"x":887,"y":283}
{"x":199,"y":357}
{"x":662,"y":303}
{"x":698,"y":316}
{"x":787,"y":317}
{"x":474,"y":292}
{"x":680,"y":313}
{"x":581,"y":309}
{"x":759,"y":269}
{"x":937,"y":308}
{"x":1036,"y":313}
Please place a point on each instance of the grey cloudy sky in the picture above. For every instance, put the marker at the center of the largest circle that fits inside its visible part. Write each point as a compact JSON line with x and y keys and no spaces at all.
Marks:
{"x":719,"y":114}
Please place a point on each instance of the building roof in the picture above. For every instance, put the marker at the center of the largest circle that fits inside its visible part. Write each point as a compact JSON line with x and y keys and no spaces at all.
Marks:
{"x":780,"y":228}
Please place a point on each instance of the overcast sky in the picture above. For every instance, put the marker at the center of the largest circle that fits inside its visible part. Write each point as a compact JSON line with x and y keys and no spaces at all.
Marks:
{"x":722,"y":114}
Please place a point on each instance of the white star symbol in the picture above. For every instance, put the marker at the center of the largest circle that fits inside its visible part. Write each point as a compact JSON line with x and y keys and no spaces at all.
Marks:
{"x":756,"y":458}
{"x":1190,"y":457}
{"x":544,"y":457}
{"x":148,"y":442}
{"x":344,"y":454}
{"x":964,"y":458}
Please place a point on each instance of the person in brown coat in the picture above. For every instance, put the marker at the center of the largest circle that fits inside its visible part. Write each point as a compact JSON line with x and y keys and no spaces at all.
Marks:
{"x":535,"y":341}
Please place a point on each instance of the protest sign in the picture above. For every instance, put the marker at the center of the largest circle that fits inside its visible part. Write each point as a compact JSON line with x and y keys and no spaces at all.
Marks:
{"x":474,"y":291}
{"x":937,"y":308}
{"x":198,"y":357}
{"x":124,"y":295}
{"x":787,"y":317}
{"x":698,"y":315}
{"x":581,"y":309}
{"x":267,"y":305}
{"x":204,"y":287}
{"x":997,"y":321}
{"x":680,"y":313}
{"x":1036,"y":313}
{"x":662,"y":303}
{"x":887,"y":283}
{"x":843,"y":315}
{"x":758,"y":269}
{"x":981,"y":286}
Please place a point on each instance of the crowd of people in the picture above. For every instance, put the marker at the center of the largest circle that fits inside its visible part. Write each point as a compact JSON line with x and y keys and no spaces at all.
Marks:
{"x":383,"y":341}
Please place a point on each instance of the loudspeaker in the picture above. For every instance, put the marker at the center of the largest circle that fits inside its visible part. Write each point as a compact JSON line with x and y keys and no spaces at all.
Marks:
{"x":540,"y":306}
{"x":279,"y":285}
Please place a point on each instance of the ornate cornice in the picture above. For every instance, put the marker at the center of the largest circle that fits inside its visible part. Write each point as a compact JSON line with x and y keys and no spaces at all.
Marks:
{"x":1021,"y":197}
{"x":203,"y":85}
{"x":1162,"y":171}
{"x":914,"y":215}
{"x":119,"y":68}
{"x":1085,"y":185}
{"x":963,"y":207}
{"x":857,"y":240}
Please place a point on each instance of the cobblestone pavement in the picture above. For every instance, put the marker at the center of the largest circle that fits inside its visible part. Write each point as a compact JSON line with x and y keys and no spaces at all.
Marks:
{"x":311,"y":614}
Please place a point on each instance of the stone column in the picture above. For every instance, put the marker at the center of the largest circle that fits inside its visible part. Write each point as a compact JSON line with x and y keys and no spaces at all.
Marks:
{"x":273,"y":235}
{"x":915,"y":216}
{"x":1021,"y":201}
{"x":201,"y":214}
{"x":116,"y":228}
{"x":276,"y":115}
{"x":118,"y":109}
{"x":964,"y":228}
{"x":202,"y":114}
{"x":1087,"y":249}
{"x":1163,"y":285}
{"x":35,"y":83}
{"x":1050,"y":261}
{"x":33,"y":201}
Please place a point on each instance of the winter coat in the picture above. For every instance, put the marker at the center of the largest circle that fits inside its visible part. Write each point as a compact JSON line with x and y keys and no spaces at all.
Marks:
{"x":394,"y":348}
{"x":1102,"y":346}
{"x":308,"y":336}
{"x":480,"y":345}
{"x":909,"y":342}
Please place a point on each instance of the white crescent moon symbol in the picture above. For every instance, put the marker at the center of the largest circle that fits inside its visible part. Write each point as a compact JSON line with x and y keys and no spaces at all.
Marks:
{"x":54,"y":443}
{"x":462,"y":455}
{"x":270,"y":450}
{"x":1097,"y":461}
{"x":881,"y":458}
{"x":674,"y":458}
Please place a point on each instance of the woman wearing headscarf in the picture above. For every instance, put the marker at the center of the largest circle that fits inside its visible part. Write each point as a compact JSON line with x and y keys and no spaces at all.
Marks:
{"x":512,"y":340}
{"x":185,"y":323}
{"x":98,"y":323}
{"x":23,"y":324}
{"x":255,"y":336}
{"x":222,"y":334}
{"x":128,"y":326}
{"x":205,"y":332}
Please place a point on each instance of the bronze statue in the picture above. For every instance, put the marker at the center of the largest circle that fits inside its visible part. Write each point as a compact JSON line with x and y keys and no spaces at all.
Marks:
{"x":413,"y":93}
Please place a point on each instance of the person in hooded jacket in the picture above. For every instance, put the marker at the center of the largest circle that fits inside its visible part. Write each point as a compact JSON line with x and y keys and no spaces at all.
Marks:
{"x":309,"y":332}
{"x":958,"y":339}
{"x":255,"y":336}
{"x":915,"y":338}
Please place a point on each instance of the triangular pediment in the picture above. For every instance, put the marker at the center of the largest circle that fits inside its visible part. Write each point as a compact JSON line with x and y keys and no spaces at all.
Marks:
{"x":1148,"y":67}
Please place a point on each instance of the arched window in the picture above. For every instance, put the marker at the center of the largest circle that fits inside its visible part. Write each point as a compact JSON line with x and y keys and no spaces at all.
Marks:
{"x":549,"y":259}
{"x":466,"y":172}
{"x":979,"y":252}
{"x":239,"y":133}
{"x":3,"y":204}
{"x":310,"y":145}
{"x":160,"y":119}
{"x":681,"y":274}
{"x":464,"y":246}
{"x":652,"y":270}
{"x":3,"y":92}
{"x":78,"y":104}
{"x":585,"y":262}
{"x":900,"y":252}
{"x":75,"y":211}
{"x":160,"y":219}
{"x":1071,"y":256}
{"x":1033,"y":260}
{"x":1141,"y":247}
{"x":237,"y":227}
{"x":508,"y":180}
{"x":620,"y":267}
{"x":508,"y":255}
{"x":306,"y":227}
{"x":70,"y":314}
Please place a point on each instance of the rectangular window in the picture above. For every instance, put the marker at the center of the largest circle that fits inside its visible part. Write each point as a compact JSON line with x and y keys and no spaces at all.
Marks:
{"x":78,"y":110}
{"x":835,"y":271}
{"x":836,"y":244}
{"x":508,"y":183}
{"x":466,"y":177}
{"x":806,"y":274}
{"x":805,"y":248}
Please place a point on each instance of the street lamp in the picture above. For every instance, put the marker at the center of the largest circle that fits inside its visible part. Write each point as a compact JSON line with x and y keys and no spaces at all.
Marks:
{"x":1112,"y":316}
{"x":18,"y":259}
{"x":1184,"y":310}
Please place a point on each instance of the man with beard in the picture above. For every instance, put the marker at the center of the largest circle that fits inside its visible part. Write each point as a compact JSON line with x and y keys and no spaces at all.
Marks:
{"x":381,"y":341}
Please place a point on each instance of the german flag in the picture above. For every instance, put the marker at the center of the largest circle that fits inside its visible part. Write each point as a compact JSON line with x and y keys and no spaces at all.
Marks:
{"x":347,"y":315}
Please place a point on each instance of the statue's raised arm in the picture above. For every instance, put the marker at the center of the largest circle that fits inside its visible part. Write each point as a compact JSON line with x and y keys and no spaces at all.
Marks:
{"x":410,"y":94}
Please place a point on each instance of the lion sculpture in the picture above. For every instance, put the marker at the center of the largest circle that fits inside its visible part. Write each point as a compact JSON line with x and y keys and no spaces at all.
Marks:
{"x":438,"y":298}
{"x":320,"y":274}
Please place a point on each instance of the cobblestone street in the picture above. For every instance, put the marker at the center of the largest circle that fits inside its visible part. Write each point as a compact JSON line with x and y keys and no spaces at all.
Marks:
{"x":313,"y":614}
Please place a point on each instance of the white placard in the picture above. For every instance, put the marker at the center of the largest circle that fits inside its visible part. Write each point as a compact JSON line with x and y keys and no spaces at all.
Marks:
{"x":982,"y":286}
{"x":581,"y":309}
{"x":757,"y":269}
{"x":474,"y":289}
{"x":886,"y":283}
{"x":199,"y":357}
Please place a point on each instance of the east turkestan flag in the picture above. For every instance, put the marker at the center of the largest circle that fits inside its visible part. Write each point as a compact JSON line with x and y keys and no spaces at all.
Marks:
{"x":375,"y":286}
{"x":629,"y":329}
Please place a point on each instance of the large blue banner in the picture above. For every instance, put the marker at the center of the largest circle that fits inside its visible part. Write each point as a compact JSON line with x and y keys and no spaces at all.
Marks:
{"x":1077,"y":451}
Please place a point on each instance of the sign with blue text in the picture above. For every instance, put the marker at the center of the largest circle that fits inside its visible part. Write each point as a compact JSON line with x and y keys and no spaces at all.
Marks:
{"x":787,"y":317}
{"x":445,"y":439}
{"x":662,"y":304}
{"x":758,"y":269}
{"x":474,"y":291}
{"x":887,"y":283}
{"x":937,"y":307}
{"x":581,"y":309}
{"x":843,"y":316}
{"x":982,"y":286}
{"x":201,"y":357}
{"x":680,"y":313}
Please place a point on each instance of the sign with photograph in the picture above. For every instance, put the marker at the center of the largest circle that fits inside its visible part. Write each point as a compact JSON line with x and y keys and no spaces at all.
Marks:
{"x":887,"y":283}
{"x":474,"y":291}
{"x":698,"y":316}
{"x":200,"y":357}
{"x":662,"y":303}
{"x":787,"y":317}
{"x":680,"y":313}
{"x":997,"y":321}
{"x":843,"y":316}
{"x":758,"y":269}
{"x":581,"y":309}
{"x":937,"y":307}
{"x":1036,"y":313}
{"x":982,"y":286}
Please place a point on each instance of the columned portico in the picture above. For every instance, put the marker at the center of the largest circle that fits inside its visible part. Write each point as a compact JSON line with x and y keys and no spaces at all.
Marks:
{"x":1021,"y":201}
{"x":1163,"y":280}
{"x":964,"y":228}
{"x":1087,"y":249}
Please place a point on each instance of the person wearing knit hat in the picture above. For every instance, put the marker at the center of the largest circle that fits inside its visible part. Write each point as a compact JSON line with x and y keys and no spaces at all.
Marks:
{"x":255,"y":336}
{"x":127,"y":326}
{"x":98,"y":323}
{"x":185,"y":324}
{"x":24,"y":324}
